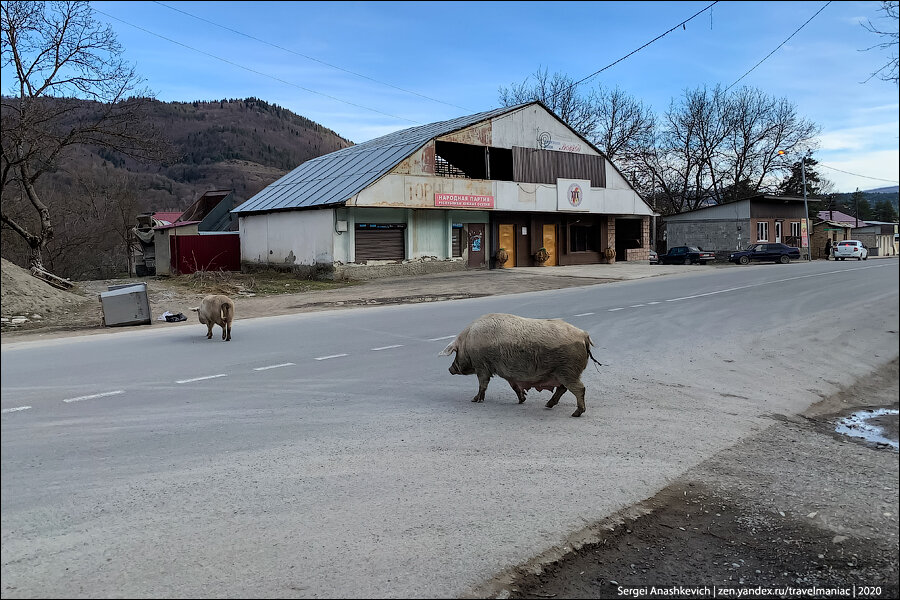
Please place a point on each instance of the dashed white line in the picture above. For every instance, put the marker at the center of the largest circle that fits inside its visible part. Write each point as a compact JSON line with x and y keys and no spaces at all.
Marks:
{"x":584,"y":315}
{"x":16,"y":409}
{"x":329,"y":356}
{"x":388,"y":347}
{"x":615,"y":309}
{"x":649,"y":303}
{"x":273,"y":367}
{"x":201,"y":378}
{"x":635,"y":306}
{"x":92,"y":396}
{"x":446,"y":337}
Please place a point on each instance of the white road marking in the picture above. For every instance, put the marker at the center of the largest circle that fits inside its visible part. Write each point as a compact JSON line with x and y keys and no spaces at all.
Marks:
{"x":753,"y":285}
{"x":584,"y":315}
{"x":652,"y":303}
{"x":92,"y":396}
{"x":388,"y":347}
{"x":273,"y":367}
{"x":201,"y":378}
{"x":615,"y":309}
{"x":635,"y":306}
{"x":446,"y":337}
{"x":330,"y":356}
{"x":18,"y":408}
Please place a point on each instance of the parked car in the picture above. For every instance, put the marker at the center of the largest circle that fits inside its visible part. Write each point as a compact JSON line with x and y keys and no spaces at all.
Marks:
{"x":850,"y":249}
{"x":686,"y":255}
{"x":779,"y":253}
{"x":654,"y":257}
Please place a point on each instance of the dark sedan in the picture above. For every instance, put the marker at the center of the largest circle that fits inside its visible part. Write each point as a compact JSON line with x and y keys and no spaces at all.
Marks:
{"x":686,"y":255}
{"x":779,"y":253}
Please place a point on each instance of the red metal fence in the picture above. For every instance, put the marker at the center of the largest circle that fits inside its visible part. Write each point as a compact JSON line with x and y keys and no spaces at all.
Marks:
{"x":218,"y":252}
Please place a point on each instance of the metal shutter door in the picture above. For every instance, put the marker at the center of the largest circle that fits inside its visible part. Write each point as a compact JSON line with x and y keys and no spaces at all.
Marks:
{"x":380,"y":244}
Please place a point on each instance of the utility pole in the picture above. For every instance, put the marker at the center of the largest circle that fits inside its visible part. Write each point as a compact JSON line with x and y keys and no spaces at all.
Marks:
{"x":806,"y":209}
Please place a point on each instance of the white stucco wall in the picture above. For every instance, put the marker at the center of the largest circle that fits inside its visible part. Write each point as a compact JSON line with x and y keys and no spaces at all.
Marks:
{"x":531,"y":125}
{"x":300,"y":237}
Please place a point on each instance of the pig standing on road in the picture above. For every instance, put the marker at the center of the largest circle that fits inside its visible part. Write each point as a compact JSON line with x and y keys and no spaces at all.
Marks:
{"x":216,"y":309}
{"x":528,"y":353}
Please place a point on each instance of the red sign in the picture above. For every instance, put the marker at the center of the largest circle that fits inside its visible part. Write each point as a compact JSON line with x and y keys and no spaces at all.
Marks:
{"x":463,"y":201}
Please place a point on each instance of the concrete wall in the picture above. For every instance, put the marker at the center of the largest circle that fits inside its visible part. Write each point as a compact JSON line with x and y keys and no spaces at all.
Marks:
{"x":721,"y":237}
{"x":288,"y":239}
{"x":162,"y":247}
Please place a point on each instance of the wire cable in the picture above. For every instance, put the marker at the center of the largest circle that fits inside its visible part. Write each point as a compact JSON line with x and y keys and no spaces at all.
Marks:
{"x":662,"y":35}
{"x":779,"y":45}
{"x":310,"y":57}
{"x":234,"y":64}
{"x":857,"y":174}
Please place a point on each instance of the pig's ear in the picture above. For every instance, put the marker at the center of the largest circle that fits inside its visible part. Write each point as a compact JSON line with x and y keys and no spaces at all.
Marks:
{"x":451,"y":347}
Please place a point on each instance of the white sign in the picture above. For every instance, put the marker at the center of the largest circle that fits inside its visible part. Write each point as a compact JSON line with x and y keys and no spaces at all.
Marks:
{"x":548,"y":142}
{"x":571,"y":194}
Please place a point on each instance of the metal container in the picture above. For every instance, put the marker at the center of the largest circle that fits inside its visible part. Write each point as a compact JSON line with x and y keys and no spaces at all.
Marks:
{"x":125,"y":305}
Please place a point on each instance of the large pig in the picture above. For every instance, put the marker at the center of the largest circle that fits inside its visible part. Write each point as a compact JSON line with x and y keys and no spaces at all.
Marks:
{"x":216,"y":309}
{"x":528,"y":353}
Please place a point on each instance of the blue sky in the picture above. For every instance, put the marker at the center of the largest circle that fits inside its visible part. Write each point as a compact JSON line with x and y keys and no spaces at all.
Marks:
{"x":365,"y":69}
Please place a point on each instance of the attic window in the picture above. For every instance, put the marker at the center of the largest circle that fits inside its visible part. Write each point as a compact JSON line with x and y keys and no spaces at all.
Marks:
{"x":467,"y":161}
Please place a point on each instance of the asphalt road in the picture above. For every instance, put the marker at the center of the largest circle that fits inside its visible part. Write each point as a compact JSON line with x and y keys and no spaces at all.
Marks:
{"x":331,"y":454}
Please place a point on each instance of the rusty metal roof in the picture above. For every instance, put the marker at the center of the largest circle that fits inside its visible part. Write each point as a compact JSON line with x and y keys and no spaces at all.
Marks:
{"x":336,"y":177}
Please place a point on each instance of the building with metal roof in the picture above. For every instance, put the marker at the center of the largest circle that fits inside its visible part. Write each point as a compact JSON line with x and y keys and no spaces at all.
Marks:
{"x":451,"y":193}
{"x":724,"y":228}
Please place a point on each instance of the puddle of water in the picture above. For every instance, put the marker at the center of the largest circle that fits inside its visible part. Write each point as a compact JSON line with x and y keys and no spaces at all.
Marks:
{"x":857,"y":425}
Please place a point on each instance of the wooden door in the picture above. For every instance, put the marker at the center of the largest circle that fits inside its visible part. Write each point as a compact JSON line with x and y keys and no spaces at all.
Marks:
{"x":507,"y":240}
{"x":549,"y":242}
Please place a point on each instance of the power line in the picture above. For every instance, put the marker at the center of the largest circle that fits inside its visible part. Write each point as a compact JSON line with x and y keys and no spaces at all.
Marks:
{"x":234,"y":64}
{"x":310,"y":57}
{"x":682,"y":24}
{"x":779,"y":45}
{"x":568,"y":88}
{"x":857,"y":174}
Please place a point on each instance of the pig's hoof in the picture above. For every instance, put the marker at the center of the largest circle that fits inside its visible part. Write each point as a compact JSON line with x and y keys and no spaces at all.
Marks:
{"x":577,"y":413}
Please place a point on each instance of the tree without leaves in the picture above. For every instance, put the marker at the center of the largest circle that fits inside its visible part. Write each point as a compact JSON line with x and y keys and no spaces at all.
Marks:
{"x":610,"y":119}
{"x":709,"y":146}
{"x":61,"y":57}
{"x":718,"y":147}
{"x":888,"y":71}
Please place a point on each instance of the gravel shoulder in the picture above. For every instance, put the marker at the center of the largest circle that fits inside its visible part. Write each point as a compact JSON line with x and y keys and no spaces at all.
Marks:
{"x":795,"y":507}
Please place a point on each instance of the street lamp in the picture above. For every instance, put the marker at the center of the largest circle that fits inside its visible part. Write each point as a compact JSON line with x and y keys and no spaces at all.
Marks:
{"x":805,"y":207}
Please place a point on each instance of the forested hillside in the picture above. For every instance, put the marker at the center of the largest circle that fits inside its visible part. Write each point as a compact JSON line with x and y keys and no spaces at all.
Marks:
{"x":95,"y":194}
{"x":239,"y":144}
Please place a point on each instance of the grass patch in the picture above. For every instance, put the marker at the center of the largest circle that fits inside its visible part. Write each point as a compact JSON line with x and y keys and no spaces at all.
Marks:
{"x":262,"y":283}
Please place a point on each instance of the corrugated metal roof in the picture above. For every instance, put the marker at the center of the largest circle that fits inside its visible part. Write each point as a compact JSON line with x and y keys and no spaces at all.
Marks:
{"x":336,"y":177}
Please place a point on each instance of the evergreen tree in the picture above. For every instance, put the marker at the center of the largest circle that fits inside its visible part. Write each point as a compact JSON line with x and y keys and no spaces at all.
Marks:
{"x":793,"y":185}
{"x":884,"y":211}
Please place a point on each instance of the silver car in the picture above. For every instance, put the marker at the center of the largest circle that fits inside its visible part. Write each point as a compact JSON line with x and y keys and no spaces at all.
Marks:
{"x":850,"y":249}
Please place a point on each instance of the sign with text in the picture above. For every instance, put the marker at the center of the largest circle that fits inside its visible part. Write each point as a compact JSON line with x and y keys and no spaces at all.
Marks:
{"x":547,"y":142}
{"x":463,"y":201}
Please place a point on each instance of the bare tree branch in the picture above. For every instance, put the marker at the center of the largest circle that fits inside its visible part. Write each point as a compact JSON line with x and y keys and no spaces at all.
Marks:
{"x":71,"y":89}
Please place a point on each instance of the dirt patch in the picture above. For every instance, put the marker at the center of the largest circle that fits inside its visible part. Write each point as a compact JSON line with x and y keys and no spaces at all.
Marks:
{"x":79,"y":312}
{"x":796,"y":507}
